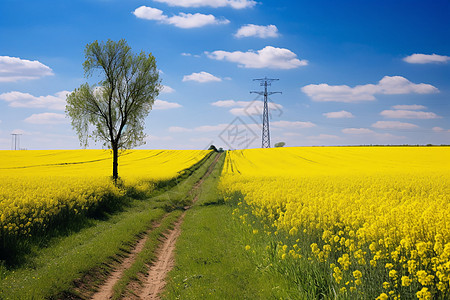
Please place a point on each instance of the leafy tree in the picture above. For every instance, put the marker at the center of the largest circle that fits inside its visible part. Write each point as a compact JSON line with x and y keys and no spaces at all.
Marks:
{"x":212,"y":147}
{"x":280,"y":144}
{"x":113,"y":110}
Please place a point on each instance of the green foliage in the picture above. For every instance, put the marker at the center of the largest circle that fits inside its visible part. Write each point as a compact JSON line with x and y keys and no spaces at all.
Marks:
{"x":113,"y":110}
{"x":280,"y":144}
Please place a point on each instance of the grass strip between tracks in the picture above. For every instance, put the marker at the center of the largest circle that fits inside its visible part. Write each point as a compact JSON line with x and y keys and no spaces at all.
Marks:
{"x":146,"y":255}
{"x":211,"y":261}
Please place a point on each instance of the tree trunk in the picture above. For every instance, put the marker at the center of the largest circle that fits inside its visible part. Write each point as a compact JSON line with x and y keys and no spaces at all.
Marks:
{"x":115,"y":162}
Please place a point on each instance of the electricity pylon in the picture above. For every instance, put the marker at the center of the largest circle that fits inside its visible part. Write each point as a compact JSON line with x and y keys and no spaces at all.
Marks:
{"x":265,"y":130}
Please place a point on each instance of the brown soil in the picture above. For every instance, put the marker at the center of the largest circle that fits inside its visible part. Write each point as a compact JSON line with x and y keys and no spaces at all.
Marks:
{"x":156,"y":278}
{"x":153,"y":284}
{"x":106,"y":289}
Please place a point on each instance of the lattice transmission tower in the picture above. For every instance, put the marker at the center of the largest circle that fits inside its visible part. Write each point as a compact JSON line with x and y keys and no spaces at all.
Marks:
{"x":15,"y":144}
{"x":265,"y":82}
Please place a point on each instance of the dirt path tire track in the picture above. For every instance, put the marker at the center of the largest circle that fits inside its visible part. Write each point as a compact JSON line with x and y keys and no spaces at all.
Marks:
{"x":165,"y":261}
{"x":106,"y":290}
{"x":155,"y":280}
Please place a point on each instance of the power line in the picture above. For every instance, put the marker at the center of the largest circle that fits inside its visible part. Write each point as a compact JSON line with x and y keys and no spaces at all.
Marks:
{"x":265,"y":143}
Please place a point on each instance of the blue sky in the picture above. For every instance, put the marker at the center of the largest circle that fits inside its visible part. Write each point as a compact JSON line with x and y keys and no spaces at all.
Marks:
{"x":350,"y":72}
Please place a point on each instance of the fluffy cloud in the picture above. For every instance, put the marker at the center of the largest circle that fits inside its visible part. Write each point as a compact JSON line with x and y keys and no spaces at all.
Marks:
{"x":47,"y":118}
{"x":18,"y":99}
{"x":409,"y":107}
{"x":408,"y":114}
{"x":236,"y":4}
{"x":357,"y":130}
{"x":393,"y":125}
{"x":339,"y":114}
{"x":268,"y":57}
{"x":389,"y":85}
{"x":225,"y":103}
{"x":178,"y":129}
{"x":201,"y":77}
{"x":292,"y":124}
{"x":14,"y":69}
{"x":181,"y":20}
{"x":323,"y":136}
{"x":440,"y":129}
{"x":167,"y":89}
{"x":257,"y":31}
{"x":19,"y":131}
{"x":426,"y":58}
{"x":161,"y":104}
{"x":152,"y":138}
{"x":247,"y":108}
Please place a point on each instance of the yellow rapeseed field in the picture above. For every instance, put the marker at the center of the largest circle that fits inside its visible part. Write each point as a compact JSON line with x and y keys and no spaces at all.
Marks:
{"x":38,"y":187}
{"x":379,"y":217}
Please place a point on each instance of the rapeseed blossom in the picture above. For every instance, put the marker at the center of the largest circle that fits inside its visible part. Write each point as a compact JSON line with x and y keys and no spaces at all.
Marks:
{"x":381,"y":212}
{"x":38,"y":187}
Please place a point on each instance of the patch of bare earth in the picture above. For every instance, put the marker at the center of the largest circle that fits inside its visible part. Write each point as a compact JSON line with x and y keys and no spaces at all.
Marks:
{"x":156,"y":278}
{"x":106,"y":289}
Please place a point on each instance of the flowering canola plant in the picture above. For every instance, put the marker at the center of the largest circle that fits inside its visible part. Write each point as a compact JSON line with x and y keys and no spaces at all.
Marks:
{"x":379,"y":217}
{"x":38,"y":187}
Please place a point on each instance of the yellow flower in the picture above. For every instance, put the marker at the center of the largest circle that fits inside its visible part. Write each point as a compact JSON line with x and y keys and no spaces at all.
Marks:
{"x":406,"y":281}
{"x":383,"y":296}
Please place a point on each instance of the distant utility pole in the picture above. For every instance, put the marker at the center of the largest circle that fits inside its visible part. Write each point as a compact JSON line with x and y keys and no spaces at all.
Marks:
{"x":265,"y":130}
{"x":15,"y":145}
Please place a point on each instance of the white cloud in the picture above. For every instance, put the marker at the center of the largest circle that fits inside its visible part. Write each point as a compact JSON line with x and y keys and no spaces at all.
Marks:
{"x":393,"y":125}
{"x":236,"y":4}
{"x":152,"y":138}
{"x":388,"y":85}
{"x":323,"y":136}
{"x":189,"y":54}
{"x":15,"y":69}
{"x":204,"y":128}
{"x":47,"y":118}
{"x":292,"y":134}
{"x":269,"y":31}
{"x":426,"y":58}
{"x":201,"y":77}
{"x":25,"y":100}
{"x":224,"y":103}
{"x":161,"y":104}
{"x":209,"y":128}
{"x":179,"y":129}
{"x":409,"y":107}
{"x":388,"y":137}
{"x":440,"y":129}
{"x":338,"y":114}
{"x":253,"y":108}
{"x":408,"y":114}
{"x":357,"y":131}
{"x":292,"y":124}
{"x":18,"y":131}
{"x":247,"y":108}
{"x":167,"y":89}
{"x":268,"y":57}
{"x":182,"y":20}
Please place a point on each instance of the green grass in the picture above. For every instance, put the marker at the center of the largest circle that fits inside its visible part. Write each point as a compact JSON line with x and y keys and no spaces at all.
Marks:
{"x":211,"y":260}
{"x":145,"y":256}
{"x":53,"y":269}
{"x":92,"y":245}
